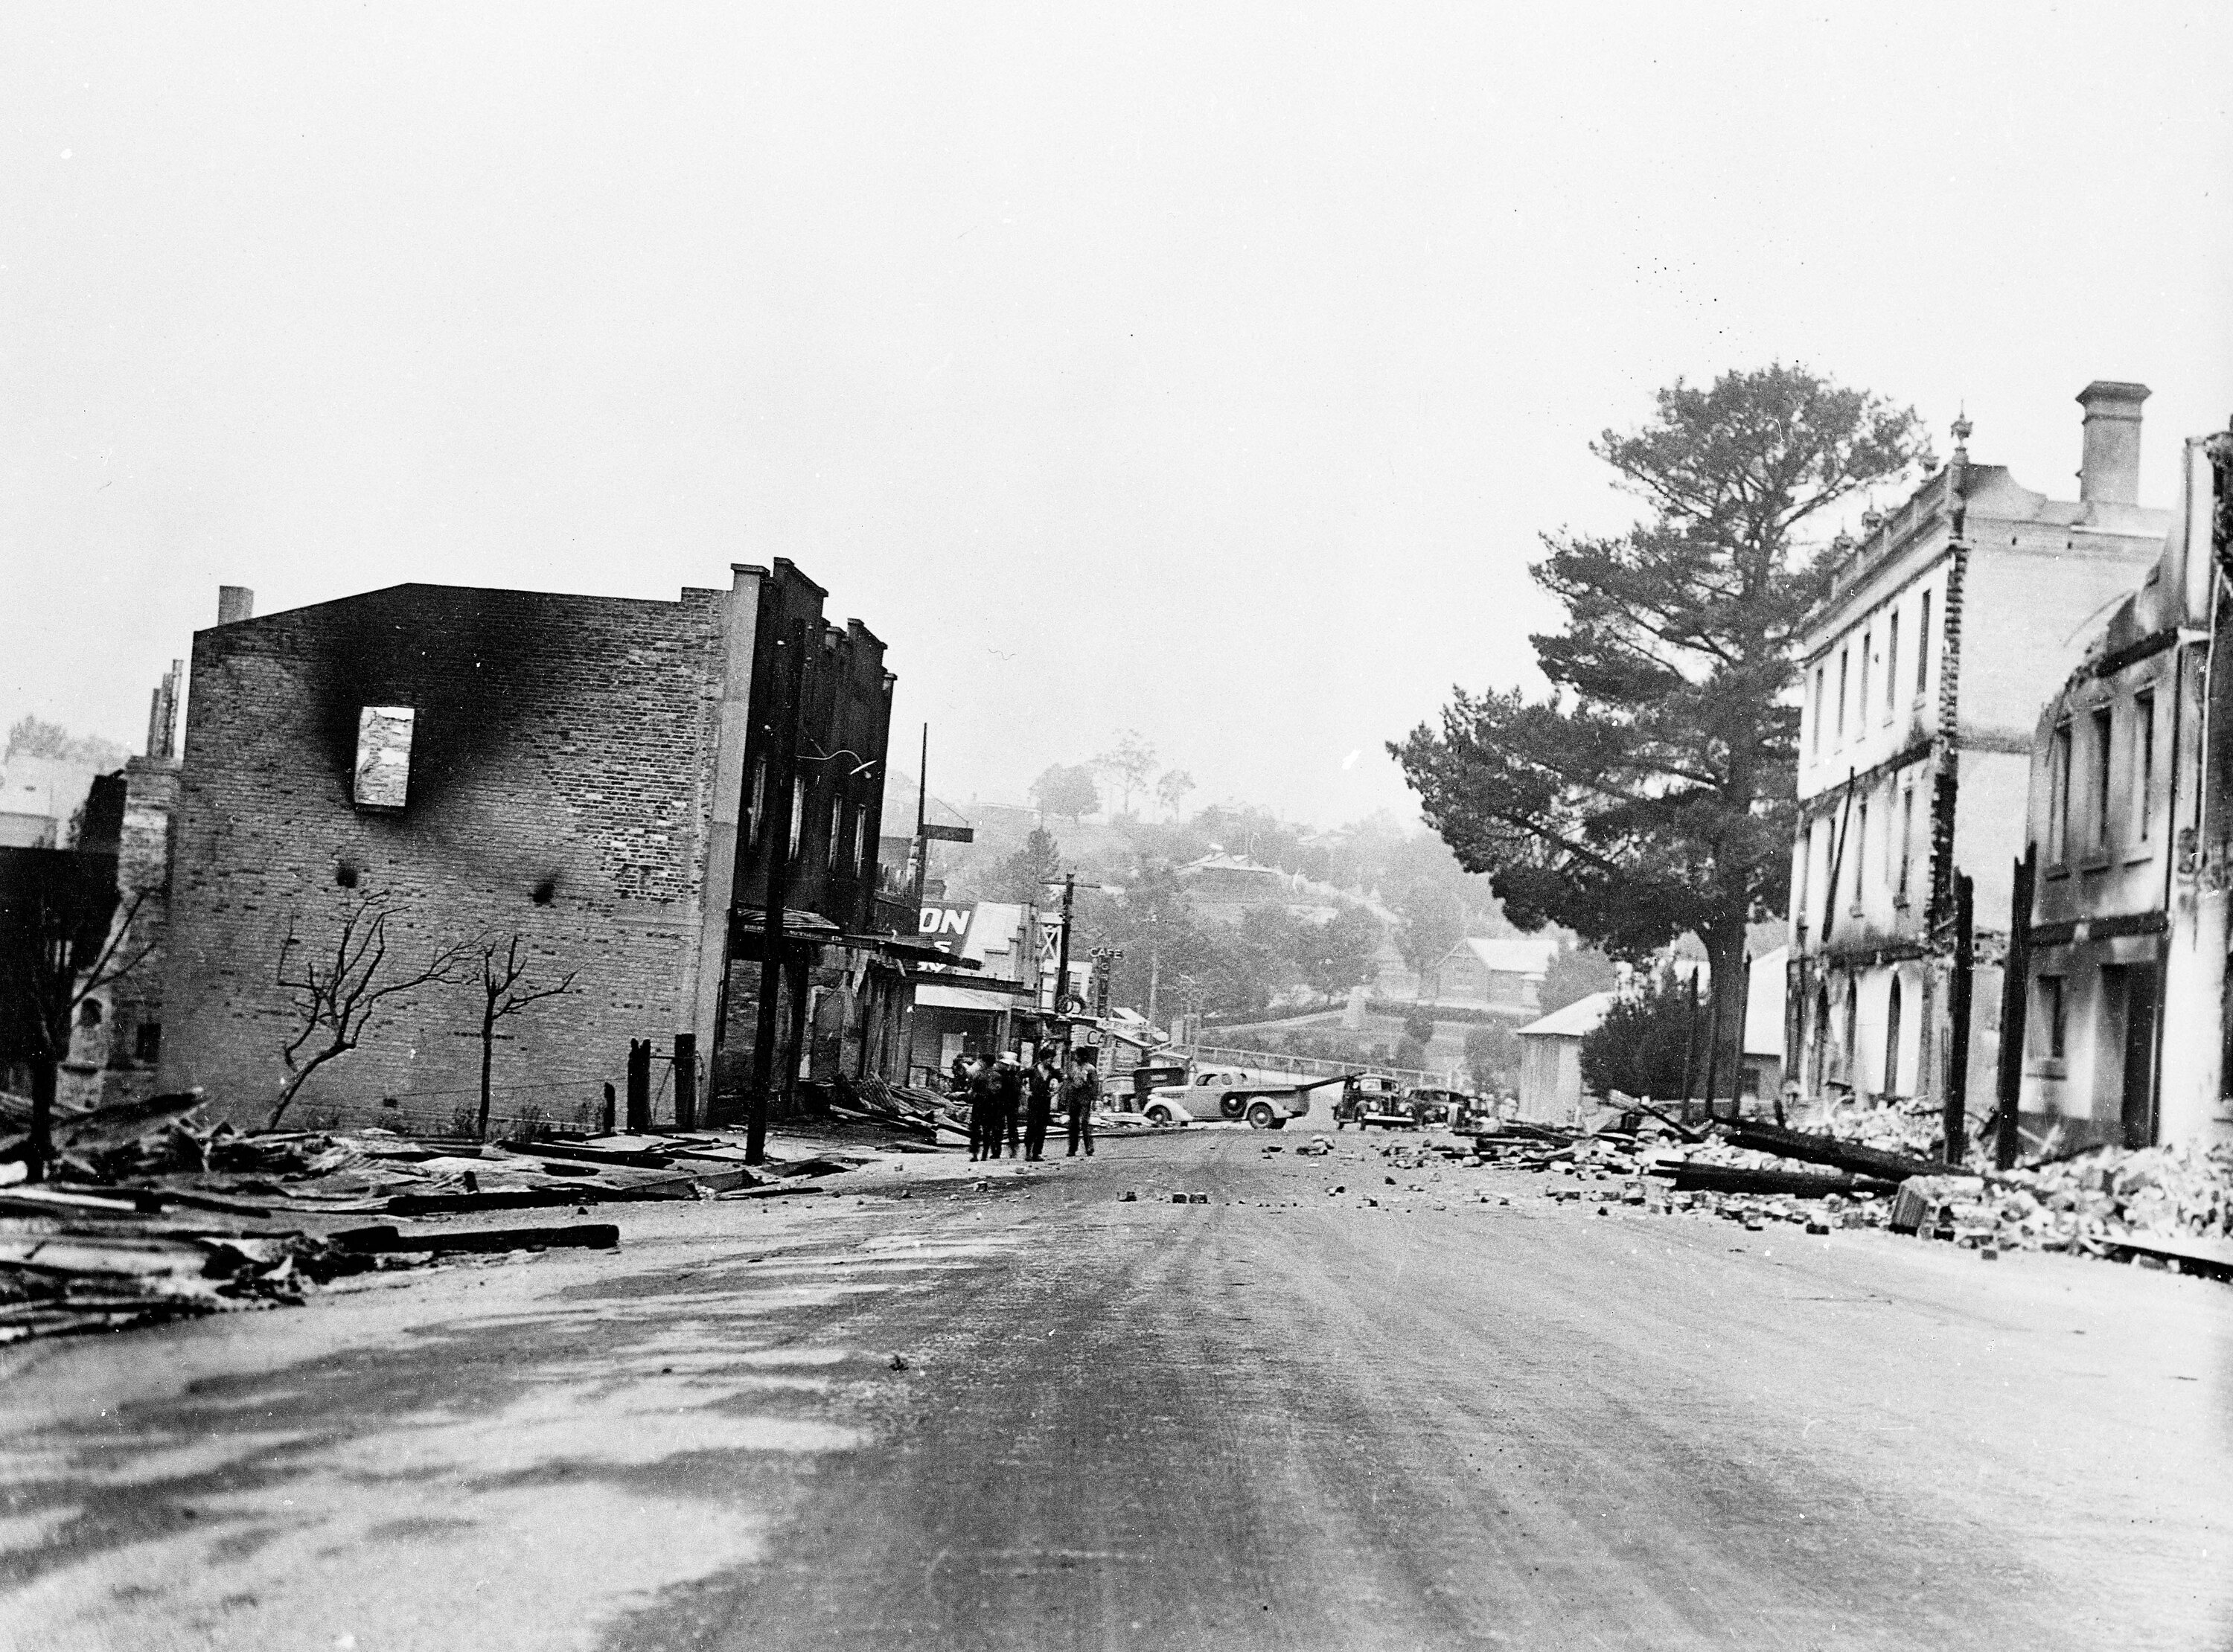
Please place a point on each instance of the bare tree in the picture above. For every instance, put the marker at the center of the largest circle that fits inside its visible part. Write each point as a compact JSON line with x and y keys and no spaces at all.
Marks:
{"x":1129,"y":764}
{"x":1171,"y":789}
{"x":71,"y":944}
{"x":338,"y":997}
{"x":506,"y":990}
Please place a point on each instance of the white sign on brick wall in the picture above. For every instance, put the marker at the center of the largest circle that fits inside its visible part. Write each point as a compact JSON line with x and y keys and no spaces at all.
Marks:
{"x":383,"y":756}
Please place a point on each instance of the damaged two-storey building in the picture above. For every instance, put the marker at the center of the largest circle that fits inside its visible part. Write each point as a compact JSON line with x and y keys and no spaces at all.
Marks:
{"x":2120,"y":1025}
{"x":430,"y":835}
{"x":1923,"y":669}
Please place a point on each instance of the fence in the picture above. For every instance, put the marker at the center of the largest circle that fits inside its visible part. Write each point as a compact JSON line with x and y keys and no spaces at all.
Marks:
{"x":516,"y":1112}
{"x":1204,"y":1055}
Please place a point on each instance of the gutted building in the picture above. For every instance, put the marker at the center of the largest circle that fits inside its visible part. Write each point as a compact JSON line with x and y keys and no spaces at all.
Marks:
{"x":1923,"y":669}
{"x":2123,"y":1011}
{"x":388,"y":802}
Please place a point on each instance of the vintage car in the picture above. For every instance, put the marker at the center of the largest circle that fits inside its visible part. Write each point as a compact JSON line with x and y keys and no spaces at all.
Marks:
{"x":1373,"y":1098}
{"x":1436,"y":1105}
{"x":1265,"y":1100}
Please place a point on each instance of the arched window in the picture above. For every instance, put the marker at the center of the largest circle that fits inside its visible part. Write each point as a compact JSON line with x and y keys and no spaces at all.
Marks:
{"x":1892,"y":1040}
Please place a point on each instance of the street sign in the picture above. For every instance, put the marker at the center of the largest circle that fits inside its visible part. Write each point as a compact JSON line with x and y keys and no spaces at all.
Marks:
{"x":949,"y":834}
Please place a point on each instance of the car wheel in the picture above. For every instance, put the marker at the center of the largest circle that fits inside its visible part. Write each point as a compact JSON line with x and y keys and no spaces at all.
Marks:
{"x":1159,"y":1116}
{"x":1260,"y":1116}
{"x":1230,"y":1106}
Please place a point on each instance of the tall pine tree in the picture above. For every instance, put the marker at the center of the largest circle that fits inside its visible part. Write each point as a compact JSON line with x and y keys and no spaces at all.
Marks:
{"x":1652,"y":792}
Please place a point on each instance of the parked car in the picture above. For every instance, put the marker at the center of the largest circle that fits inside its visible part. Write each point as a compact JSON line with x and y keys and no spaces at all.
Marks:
{"x":1436,"y":1105}
{"x":1146,"y":1080}
{"x":1370,"y":1099}
{"x":1266,"y":1100}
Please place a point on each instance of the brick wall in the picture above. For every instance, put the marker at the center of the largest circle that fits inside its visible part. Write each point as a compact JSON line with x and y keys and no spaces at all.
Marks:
{"x":115,"y":1058}
{"x":560,"y":779}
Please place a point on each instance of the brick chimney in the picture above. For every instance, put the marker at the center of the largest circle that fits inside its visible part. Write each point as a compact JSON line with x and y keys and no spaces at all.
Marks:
{"x":2109,"y":472}
{"x":235,"y":602}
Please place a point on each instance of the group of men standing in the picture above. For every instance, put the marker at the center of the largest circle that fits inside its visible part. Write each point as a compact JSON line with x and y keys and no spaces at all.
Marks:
{"x":1003,"y":1093}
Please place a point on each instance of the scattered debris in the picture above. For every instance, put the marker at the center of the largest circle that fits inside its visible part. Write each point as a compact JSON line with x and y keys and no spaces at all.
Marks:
{"x":590,"y":1236}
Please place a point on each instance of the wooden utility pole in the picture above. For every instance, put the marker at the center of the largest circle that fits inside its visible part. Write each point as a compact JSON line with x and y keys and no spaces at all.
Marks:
{"x":1062,"y":961}
{"x":1690,"y":1050}
{"x":639,"y":1087}
{"x":686,"y":1080}
{"x":1965,"y":969}
{"x":922,"y":805}
{"x":2015,"y":1004}
{"x":783,"y":737}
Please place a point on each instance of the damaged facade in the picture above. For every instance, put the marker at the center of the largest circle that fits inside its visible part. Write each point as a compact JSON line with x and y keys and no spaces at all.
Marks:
{"x":423,"y":780}
{"x":1923,"y":670}
{"x":2122,"y":1019}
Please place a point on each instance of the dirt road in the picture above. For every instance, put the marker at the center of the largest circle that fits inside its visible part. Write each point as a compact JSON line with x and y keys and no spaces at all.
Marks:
{"x":1040,"y":1417}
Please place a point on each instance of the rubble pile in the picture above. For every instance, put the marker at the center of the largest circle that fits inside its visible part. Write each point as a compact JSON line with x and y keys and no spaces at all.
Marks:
{"x":124,"y":1232}
{"x":2109,"y":1201}
{"x":75,"y":1262}
{"x":921,"y":1111}
{"x":2170,"y":1206}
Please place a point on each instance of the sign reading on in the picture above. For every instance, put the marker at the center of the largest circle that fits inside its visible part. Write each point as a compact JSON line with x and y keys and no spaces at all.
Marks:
{"x":944,"y":924}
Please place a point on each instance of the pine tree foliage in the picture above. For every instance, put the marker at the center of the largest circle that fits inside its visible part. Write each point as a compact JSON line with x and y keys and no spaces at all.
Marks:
{"x":1651,"y":792}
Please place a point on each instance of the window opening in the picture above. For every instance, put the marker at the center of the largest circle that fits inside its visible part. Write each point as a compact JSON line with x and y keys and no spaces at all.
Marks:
{"x":2058,"y":795}
{"x":1906,"y":836}
{"x":1892,"y":1040}
{"x":2050,"y":1014}
{"x":2144,"y":765}
{"x":1891,"y":666}
{"x":1861,"y":699}
{"x":2098,"y":800}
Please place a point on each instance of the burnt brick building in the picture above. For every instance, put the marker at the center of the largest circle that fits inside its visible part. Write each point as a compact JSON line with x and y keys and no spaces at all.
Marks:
{"x":427,"y":772}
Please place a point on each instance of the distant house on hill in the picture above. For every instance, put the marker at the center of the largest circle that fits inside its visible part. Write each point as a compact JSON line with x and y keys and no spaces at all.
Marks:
{"x":1484,"y":973}
{"x":1226,"y":885}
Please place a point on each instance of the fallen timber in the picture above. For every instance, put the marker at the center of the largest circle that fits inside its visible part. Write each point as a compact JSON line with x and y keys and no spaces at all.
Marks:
{"x":1811,"y":1149}
{"x":1737,"y":1178}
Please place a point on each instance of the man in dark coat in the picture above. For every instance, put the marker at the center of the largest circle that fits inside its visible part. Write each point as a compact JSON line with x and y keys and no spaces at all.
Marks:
{"x":984,"y":1111}
{"x":1010,"y":1072}
{"x":1038,"y":1103}
{"x":1081,"y":1094}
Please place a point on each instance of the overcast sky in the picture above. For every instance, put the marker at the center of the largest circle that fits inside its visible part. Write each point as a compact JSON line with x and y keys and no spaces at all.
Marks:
{"x":1203,"y":369}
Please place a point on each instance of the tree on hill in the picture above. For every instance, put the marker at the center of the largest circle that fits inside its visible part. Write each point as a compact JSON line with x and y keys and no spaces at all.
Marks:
{"x":1066,"y":789}
{"x":1172,"y":788}
{"x":1023,"y":875}
{"x":1431,"y":922}
{"x":1127,"y":763}
{"x":1341,"y":953}
{"x":1651,"y":793}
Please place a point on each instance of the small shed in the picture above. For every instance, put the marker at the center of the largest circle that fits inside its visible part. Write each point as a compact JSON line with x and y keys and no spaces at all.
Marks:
{"x":1551,"y":1049}
{"x":1550,"y":1060}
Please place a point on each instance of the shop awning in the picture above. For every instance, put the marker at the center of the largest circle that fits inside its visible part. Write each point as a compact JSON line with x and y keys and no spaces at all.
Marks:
{"x":933,"y":995}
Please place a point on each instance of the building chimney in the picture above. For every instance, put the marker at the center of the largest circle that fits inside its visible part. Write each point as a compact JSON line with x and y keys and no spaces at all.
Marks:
{"x":2110,"y":473}
{"x":237,"y":603}
{"x":163,"y":714}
